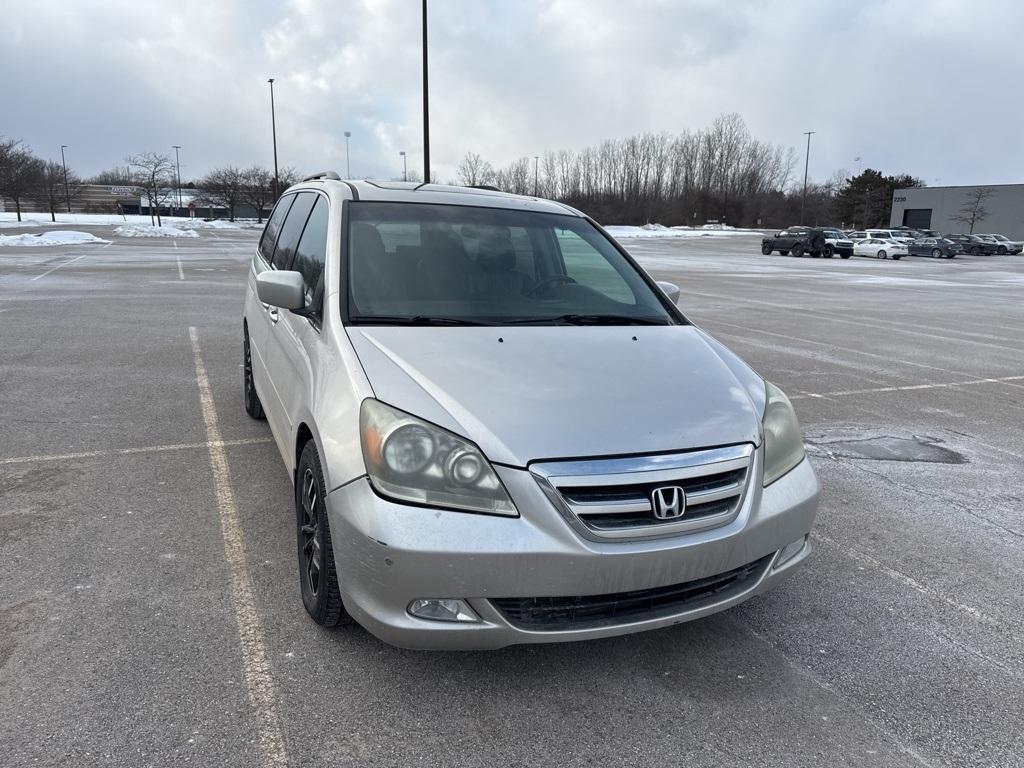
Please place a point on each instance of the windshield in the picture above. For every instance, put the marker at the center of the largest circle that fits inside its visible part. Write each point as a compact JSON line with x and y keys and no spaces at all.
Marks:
{"x":421,"y":264}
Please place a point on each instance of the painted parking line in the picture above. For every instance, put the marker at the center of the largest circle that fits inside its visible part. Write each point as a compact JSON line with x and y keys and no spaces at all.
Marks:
{"x":259,"y":682}
{"x":54,"y":269}
{"x":130,"y":451}
{"x":177,"y":258}
{"x":908,"y":388}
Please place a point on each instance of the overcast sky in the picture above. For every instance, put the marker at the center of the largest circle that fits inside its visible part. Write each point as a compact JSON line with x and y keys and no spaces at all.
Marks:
{"x":928,"y":87}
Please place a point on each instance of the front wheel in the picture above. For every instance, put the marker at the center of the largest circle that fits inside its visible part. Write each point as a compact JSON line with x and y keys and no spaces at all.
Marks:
{"x":1001,"y":250}
{"x":975,"y":251}
{"x":317,"y":575}
{"x":936,"y":254}
{"x":253,"y":406}
{"x":829,"y":251}
{"x":882,"y":255}
{"x":766,"y":249}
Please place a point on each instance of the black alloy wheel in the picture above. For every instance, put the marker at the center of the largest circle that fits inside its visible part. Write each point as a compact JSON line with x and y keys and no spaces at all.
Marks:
{"x":253,"y":406}
{"x":318,"y":577}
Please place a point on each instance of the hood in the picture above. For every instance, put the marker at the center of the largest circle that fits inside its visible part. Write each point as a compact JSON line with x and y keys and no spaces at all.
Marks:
{"x":552,"y":392}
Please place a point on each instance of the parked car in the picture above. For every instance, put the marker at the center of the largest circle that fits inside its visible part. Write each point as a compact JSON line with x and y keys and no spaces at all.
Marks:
{"x":811,"y":240}
{"x":1004,"y":244}
{"x":937,"y":247}
{"x":880,"y":234}
{"x":501,"y":430}
{"x":974,"y":245}
{"x":880,"y":248}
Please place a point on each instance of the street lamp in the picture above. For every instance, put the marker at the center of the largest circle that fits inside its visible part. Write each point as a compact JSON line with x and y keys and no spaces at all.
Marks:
{"x":273,"y":128}
{"x":405,"y":166}
{"x":807,"y":162}
{"x":63,"y":162}
{"x":177,"y":175}
{"x":426,"y":107}
{"x":348,"y":166}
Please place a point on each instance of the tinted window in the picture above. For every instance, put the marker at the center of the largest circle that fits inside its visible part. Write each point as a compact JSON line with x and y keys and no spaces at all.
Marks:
{"x":292,"y":230}
{"x":312,"y":250}
{"x":425,"y":263}
{"x":274,"y":226}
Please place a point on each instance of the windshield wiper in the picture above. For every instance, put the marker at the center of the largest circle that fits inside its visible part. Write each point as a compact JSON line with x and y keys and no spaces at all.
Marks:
{"x":414,"y":320}
{"x":594,"y":319}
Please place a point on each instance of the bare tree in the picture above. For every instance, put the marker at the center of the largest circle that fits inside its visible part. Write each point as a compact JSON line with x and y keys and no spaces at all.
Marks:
{"x":474,"y":170}
{"x":224,"y":187}
{"x":49,"y":191}
{"x":286,"y":177}
{"x":19,"y":172}
{"x":257,"y":189}
{"x":118,"y":176}
{"x":154,"y":173}
{"x":974,"y":210}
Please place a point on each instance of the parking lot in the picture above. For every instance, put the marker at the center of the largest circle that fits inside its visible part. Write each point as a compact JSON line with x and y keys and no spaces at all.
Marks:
{"x":149,"y":608}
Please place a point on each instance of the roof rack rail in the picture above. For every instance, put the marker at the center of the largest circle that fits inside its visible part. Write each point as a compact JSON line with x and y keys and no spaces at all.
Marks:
{"x":488,"y":187}
{"x":332,"y":175}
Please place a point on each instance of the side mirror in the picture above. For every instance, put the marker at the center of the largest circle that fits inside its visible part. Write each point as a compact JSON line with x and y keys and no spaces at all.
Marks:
{"x":280,"y":288}
{"x":671,"y":290}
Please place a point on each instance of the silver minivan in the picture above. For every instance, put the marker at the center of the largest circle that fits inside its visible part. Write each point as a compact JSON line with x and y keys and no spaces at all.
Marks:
{"x":501,"y":430}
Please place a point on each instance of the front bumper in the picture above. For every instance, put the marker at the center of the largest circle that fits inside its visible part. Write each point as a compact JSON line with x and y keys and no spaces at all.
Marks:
{"x":389,"y":554}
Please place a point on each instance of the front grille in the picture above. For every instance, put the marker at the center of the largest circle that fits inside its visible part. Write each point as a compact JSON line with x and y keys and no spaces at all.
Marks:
{"x":635,"y":500}
{"x":550,"y":614}
{"x":614,"y":498}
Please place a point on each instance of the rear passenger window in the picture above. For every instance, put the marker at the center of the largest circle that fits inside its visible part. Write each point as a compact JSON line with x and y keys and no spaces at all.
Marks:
{"x":312,"y":250}
{"x":274,"y":226}
{"x":288,"y":240}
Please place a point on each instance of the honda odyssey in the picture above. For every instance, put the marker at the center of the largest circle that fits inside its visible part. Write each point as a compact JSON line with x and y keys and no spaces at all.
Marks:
{"x":501,"y":430}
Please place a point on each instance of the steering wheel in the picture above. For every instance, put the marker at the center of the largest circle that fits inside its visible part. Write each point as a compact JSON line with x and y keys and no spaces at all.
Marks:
{"x":555,"y":279}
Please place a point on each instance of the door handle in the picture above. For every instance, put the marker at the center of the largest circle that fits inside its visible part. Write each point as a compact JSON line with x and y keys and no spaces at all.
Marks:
{"x":272,"y":311}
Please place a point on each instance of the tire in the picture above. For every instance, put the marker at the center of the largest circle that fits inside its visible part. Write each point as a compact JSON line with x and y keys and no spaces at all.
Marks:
{"x":766,"y":249}
{"x":951,"y":256}
{"x":829,"y":251}
{"x":1001,"y":250}
{"x":936,"y":253}
{"x":882,"y":255}
{"x":797,"y":250}
{"x":975,"y":251}
{"x":253,"y":406}
{"x":318,"y":578}
{"x":845,"y":255}
{"x":897,"y":256}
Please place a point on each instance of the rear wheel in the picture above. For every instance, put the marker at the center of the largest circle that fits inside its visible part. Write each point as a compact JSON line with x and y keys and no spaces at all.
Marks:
{"x":936,"y":254}
{"x":797,"y":250}
{"x":882,"y":255}
{"x":317,"y":574}
{"x":829,"y":251}
{"x":253,"y":406}
{"x":766,"y":249}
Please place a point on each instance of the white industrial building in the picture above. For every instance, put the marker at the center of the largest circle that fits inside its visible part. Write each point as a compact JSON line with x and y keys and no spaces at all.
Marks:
{"x":938,"y":208}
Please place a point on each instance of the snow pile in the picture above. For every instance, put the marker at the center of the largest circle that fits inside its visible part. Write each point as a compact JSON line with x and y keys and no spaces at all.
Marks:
{"x":148,"y":230}
{"x":11,"y":224}
{"x":52,"y":237}
{"x":619,"y":231}
{"x":203,"y":224}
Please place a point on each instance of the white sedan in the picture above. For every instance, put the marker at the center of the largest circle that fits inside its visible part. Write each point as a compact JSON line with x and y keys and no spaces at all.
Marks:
{"x":882,"y":249}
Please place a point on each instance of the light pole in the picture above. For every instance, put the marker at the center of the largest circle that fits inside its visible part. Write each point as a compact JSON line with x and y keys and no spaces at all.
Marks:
{"x":426,"y":104}
{"x":405,"y":166}
{"x":273,"y":128}
{"x":348,"y":166}
{"x":63,"y":162}
{"x":536,"y":176}
{"x":807,"y":162}
{"x":177,"y":173}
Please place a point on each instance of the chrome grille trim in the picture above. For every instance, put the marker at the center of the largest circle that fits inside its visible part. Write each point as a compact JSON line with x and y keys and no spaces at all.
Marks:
{"x":610,"y":498}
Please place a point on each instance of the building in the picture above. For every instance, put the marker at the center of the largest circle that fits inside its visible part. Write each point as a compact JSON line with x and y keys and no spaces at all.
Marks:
{"x":937,"y":208}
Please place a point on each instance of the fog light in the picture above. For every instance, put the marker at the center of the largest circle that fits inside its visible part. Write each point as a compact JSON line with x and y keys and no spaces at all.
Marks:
{"x":442,"y":610}
{"x":790,"y":551}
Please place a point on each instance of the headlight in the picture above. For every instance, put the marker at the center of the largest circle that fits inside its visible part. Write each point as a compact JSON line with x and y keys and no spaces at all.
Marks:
{"x":783,"y":443}
{"x":412,"y":460}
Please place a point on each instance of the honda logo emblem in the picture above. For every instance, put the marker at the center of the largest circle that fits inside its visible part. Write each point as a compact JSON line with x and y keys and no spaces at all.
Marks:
{"x":669,"y":502}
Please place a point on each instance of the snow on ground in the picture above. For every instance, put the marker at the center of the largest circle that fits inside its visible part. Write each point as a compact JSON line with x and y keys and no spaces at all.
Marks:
{"x":10,"y":219}
{"x":52,"y":237}
{"x":148,"y":230}
{"x":620,"y":231}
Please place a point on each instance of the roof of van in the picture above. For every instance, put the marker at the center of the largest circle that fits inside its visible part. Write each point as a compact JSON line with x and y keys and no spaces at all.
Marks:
{"x":443,"y":194}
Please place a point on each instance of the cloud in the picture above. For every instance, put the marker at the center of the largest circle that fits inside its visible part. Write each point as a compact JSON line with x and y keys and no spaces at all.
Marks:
{"x":923,"y":87}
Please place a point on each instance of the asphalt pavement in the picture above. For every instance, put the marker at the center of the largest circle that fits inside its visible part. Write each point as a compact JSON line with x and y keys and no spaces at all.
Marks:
{"x":134,"y":633}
